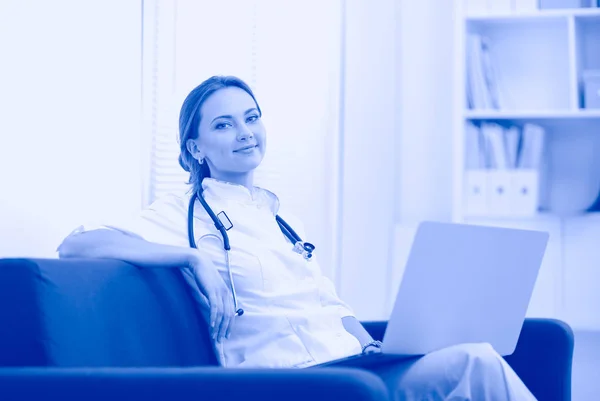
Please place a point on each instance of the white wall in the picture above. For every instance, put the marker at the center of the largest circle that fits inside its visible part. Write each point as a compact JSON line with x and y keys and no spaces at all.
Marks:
{"x":425,"y":116}
{"x":397,"y":130}
{"x":69,"y":128}
{"x":424,"y":90}
{"x":368,"y":155}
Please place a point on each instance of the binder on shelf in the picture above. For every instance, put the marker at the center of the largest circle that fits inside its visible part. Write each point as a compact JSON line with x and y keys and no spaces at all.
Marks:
{"x":532,"y":146}
{"x":476,"y":192}
{"x":511,"y":138}
{"x":499,"y":192}
{"x":475,"y":183}
{"x":481,"y":81}
{"x":476,"y":93}
{"x":524,"y":197}
{"x":502,"y":180}
{"x":493,"y":135}
{"x":475,"y":153}
{"x":491,"y":81}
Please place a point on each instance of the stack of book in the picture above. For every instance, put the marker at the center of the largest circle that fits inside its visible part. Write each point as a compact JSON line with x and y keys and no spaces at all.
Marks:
{"x":482,"y":86}
{"x":502,"y":169}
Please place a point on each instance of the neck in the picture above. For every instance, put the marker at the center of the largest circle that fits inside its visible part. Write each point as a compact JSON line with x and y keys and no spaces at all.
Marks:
{"x":244,"y":179}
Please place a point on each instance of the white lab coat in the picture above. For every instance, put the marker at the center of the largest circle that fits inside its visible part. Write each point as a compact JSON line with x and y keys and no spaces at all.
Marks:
{"x":292,"y":314}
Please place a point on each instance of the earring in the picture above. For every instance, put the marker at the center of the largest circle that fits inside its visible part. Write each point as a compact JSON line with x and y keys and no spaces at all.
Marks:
{"x":201,"y":161}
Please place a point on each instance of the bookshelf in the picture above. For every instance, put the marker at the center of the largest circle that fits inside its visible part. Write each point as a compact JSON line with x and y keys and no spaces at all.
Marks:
{"x":539,"y":60}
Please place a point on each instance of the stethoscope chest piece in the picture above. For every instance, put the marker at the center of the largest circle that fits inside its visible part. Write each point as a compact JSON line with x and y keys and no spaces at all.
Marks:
{"x":305,"y":249}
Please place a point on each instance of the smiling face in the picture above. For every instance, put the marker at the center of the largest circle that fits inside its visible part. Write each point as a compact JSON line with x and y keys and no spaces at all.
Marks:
{"x":231,"y":136}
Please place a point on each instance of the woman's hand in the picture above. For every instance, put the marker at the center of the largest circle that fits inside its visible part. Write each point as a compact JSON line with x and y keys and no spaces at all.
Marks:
{"x":215,"y":297}
{"x":372,"y":350}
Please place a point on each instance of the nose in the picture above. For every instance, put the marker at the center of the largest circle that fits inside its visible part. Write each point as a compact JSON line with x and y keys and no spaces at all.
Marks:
{"x":244,"y":133}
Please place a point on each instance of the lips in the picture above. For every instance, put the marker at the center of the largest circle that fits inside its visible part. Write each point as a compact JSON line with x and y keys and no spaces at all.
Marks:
{"x":245,"y":148}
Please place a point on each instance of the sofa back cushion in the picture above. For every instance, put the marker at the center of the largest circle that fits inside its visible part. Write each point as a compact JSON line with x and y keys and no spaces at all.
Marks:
{"x":94,"y":312}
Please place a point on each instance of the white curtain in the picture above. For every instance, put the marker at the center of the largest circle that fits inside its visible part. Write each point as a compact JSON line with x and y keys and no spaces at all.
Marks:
{"x":289,"y":54}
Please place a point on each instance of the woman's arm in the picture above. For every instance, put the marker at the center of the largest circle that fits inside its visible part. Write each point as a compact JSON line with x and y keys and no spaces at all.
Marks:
{"x":353,"y":326}
{"x":113,"y":244}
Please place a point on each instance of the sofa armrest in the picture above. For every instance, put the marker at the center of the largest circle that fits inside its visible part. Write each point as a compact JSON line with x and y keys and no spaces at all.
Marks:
{"x":189,"y":384}
{"x":542,"y":358}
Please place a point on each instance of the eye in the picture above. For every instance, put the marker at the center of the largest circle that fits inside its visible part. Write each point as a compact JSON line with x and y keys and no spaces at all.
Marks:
{"x":252,"y":119}
{"x":221,"y":126}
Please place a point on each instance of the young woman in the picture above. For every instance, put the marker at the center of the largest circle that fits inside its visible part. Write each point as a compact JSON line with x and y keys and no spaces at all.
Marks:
{"x":292,"y":316}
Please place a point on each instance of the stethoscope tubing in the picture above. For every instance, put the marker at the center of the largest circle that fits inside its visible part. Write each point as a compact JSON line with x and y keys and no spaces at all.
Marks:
{"x":224,"y":238}
{"x":283,"y":225}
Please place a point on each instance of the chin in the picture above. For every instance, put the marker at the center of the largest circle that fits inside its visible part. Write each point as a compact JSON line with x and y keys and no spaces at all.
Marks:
{"x":248,"y":167}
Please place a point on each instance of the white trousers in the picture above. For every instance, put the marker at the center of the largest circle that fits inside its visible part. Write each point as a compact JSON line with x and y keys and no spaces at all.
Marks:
{"x":458,"y":373}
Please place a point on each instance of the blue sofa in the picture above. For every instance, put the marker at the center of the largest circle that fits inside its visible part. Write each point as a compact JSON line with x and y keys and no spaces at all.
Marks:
{"x":97,"y":329}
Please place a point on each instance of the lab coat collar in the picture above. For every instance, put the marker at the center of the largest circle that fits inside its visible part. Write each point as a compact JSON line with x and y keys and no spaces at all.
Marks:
{"x":239,"y":193}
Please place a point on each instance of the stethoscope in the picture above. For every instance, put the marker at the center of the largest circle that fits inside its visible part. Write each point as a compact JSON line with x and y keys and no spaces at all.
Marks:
{"x":223,"y":224}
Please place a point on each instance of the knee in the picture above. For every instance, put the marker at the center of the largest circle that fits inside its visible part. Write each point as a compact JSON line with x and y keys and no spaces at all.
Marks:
{"x":477,"y":355}
{"x":476,"y":371}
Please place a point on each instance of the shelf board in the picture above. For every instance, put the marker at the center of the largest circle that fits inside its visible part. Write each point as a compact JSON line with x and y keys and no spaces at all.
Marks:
{"x":531,"y":114}
{"x":542,"y":216}
{"x":540,"y":14}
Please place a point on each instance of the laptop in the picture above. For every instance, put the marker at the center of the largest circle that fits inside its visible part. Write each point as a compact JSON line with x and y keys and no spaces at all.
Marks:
{"x":462,"y":283}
